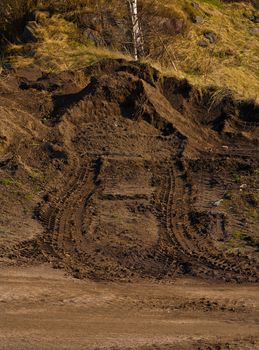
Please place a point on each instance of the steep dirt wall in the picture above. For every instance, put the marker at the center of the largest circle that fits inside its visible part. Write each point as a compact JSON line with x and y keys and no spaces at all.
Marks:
{"x":119,"y":173}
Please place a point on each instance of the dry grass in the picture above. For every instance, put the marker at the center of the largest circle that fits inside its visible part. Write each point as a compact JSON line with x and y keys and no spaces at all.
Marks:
{"x":230,"y":63}
{"x":14,"y":10}
{"x":60,"y":48}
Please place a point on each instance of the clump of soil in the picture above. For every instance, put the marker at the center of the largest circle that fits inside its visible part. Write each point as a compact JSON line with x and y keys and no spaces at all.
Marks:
{"x":126,"y":174}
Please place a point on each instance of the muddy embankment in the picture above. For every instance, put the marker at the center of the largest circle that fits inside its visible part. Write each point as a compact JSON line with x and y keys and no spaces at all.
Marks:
{"x":116,"y":172}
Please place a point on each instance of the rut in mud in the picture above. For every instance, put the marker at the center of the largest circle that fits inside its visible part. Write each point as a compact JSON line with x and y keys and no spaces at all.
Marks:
{"x":143,"y":173}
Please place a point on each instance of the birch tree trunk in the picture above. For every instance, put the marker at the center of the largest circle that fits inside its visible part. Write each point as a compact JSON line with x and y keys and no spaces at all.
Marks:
{"x":136,"y":31}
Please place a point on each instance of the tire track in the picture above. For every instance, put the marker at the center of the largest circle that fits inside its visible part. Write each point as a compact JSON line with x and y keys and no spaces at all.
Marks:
{"x":174,"y":199}
{"x":63,"y":218}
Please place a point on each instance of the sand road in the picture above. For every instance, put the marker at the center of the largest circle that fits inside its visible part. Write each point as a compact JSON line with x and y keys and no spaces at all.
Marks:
{"x":40,"y":308}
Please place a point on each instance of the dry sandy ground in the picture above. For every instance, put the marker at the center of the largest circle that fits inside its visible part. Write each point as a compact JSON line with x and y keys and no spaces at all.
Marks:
{"x":40,"y":308}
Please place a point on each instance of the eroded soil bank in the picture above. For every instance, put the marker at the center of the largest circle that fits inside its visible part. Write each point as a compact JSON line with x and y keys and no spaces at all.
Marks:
{"x":144,"y":192}
{"x":118,"y":173}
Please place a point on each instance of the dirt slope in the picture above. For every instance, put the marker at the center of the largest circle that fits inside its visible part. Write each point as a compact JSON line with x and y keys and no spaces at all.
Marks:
{"x":135,"y":175}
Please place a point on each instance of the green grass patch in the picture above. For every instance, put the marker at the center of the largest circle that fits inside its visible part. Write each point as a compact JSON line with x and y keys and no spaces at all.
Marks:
{"x":7,"y":182}
{"x":237,"y":178}
{"x":216,"y":3}
{"x":237,"y":234}
{"x":29,"y":197}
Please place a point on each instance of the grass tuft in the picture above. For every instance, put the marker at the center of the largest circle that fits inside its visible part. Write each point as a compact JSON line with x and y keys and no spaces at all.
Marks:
{"x":7,"y":182}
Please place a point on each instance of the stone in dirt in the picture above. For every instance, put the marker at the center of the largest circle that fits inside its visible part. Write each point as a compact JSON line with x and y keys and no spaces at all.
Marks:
{"x":211,"y":36}
{"x":203,"y":43}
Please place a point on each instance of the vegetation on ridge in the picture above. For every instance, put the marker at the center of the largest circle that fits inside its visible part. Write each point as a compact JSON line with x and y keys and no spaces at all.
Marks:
{"x":208,"y":41}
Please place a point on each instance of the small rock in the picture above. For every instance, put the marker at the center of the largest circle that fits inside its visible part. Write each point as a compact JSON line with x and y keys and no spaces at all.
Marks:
{"x":211,"y":36}
{"x":254,"y":31}
{"x":197,"y":19}
{"x":254,"y":19}
{"x":202,"y":43}
{"x":217,"y":203}
{"x":243,"y":186}
{"x":7,"y":67}
{"x":165,"y":25}
{"x":195,"y":5}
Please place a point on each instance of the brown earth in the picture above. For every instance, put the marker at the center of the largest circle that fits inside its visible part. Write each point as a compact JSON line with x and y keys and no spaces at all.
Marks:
{"x":135,"y":175}
{"x":42,"y":310}
{"x":117,"y":174}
